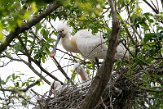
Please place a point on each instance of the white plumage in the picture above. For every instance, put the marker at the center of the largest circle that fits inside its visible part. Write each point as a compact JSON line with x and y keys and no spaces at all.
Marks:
{"x":55,"y":87}
{"x":88,"y":45}
{"x":82,"y":73}
{"x":91,"y":46}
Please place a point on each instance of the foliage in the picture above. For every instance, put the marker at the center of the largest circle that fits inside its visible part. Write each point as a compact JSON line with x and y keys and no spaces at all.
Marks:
{"x":141,"y":32}
{"x":14,"y":90}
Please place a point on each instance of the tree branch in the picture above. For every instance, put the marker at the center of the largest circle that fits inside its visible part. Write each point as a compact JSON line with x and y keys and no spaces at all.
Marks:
{"x":46,"y":72}
{"x":103,"y":75}
{"x":162,"y":3}
{"x":37,"y":73}
{"x":21,"y":90}
{"x":37,"y":63}
{"x":28,"y":25}
{"x":61,"y":69}
{"x":154,"y":9}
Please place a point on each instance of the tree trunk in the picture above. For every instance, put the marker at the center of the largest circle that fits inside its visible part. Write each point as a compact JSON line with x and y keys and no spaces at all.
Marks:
{"x":103,"y":75}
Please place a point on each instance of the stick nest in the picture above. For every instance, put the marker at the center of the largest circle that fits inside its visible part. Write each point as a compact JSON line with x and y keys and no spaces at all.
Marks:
{"x":120,"y":91}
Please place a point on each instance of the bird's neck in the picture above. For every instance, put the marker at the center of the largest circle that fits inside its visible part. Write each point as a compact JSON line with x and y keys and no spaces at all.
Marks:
{"x":69,"y":44}
{"x":84,"y":76}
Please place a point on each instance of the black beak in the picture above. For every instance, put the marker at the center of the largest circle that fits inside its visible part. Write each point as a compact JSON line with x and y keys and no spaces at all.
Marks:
{"x":55,"y":46}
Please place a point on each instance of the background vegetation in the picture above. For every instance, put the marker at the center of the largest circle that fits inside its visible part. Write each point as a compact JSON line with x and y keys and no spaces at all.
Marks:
{"x":26,"y":35}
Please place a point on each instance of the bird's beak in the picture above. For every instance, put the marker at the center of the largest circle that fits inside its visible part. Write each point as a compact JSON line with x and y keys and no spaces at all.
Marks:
{"x":55,"y":46}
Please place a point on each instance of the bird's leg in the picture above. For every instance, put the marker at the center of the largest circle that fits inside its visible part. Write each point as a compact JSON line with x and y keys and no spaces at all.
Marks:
{"x":97,"y":63}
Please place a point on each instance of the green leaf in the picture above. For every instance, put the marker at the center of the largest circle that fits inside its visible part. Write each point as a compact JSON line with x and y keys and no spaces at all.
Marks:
{"x":148,"y":37}
{"x":43,"y":59}
{"x":73,"y":75}
{"x":2,"y":82}
{"x":13,"y":76}
{"x":9,"y":77}
{"x":1,"y":33}
{"x":17,"y":84}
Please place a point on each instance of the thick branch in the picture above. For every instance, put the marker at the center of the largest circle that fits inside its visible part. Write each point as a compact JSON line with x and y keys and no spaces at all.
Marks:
{"x":103,"y":75}
{"x":162,"y":3}
{"x":28,"y":25}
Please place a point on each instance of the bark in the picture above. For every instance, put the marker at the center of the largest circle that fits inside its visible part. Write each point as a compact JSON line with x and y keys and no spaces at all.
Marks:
{"x":103,"y":75}
{"x":28,"y":25}
{"x":162,"y":3}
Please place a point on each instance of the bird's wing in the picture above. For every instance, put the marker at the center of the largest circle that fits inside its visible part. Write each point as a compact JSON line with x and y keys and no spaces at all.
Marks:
{"x":94,"y":46}
{"x":121,"y":52}
{"x":91,"y":46}
{"x":83,"y":33}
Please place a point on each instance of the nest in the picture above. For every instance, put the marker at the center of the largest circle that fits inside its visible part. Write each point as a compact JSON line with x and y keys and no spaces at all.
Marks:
{"x":120,"y":92}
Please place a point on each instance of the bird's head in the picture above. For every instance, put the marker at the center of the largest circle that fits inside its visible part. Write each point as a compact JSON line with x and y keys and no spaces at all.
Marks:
{"x":63,"y":32}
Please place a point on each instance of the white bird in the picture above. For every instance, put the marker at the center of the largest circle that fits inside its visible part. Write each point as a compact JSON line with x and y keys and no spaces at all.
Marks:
{"x":82,"y":73}
{"x":55,"y":88}
{"x":88,"y":45}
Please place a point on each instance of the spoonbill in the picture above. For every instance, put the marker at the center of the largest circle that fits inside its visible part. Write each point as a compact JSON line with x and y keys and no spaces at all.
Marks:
{"x":81,"y":72}
{"x":88,"y":45}
{"x":56,"y":86}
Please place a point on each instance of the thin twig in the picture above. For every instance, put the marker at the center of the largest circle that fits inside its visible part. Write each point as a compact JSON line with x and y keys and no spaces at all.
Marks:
{"x":61,"y":69}
{"x":21,"y":90}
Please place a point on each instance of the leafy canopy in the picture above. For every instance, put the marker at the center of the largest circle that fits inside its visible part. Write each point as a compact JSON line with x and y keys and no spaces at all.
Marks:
{"x":141,"y":32}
